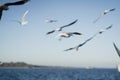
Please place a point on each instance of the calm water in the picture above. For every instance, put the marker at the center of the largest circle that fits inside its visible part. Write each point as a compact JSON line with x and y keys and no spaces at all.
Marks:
{"x":59,"y":74}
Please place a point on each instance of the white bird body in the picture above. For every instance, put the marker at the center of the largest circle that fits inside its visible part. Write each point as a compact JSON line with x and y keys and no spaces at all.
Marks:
{"x":23,"y":23}
{"x":67,"y":34}
{"x":58,"y":29}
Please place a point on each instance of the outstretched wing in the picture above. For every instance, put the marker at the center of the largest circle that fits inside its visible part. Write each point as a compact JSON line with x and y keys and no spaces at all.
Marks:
{"x":112,"y":9}
{"x":87,"y":40}
{"x":90,"y":38}
{"x":117,"y":50}
{"x":16,"y":3}
{"x":69,"y":49}
{"x":108,"y":27}
{"x":97,"y":19}
{"x":76,"y":33}
{"x":69,"y":24}
{"x":80,"y":45}
{"x":103,"y":13}
{"x":50,"y":32}
{"x":24,"y":15}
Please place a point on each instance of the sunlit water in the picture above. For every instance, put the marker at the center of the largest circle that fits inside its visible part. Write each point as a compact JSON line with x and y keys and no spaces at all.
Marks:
{"x":59,"y":74}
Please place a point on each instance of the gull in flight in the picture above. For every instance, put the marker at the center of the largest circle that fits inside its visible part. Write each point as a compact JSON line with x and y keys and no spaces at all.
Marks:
{"x":6,"y":5}
{"x":68,"y":34}
{"x":104,"y":13}
{"x":50,"y":21}
{"x":60,"y":28}
{"x":23,"y":20}
{"x":103,"y":30}
{"x":80,"y":45}
{"x":117,"y":50}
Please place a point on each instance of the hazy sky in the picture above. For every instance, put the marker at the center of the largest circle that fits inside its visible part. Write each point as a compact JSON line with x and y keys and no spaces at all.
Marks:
{"x":31,"y":44}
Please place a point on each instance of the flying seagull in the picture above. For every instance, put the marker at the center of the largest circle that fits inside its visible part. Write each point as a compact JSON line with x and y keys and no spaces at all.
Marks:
{"x":60,"y":28}
{"x":23,"y":20}
{"x":103,"y":30}
{"x":68,"y":34}
{"x":117,"y":50}
{"x":6,"y":5}
{"x":104,"y":13}
{"x":80,"y":45}
{"x":50,"y":21}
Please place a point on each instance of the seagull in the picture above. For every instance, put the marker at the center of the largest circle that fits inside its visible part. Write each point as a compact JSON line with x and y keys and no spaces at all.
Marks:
{"x":68,"y":34}
{"x":104,"y":13}
{"x":103,"y":30}
{"x":117,"y":50}
{"x":80,"y":45}
{"x":23,"y":20}
{"x":6,"y":5}
{"x":60,"y":28}
{"x":50,"y":21}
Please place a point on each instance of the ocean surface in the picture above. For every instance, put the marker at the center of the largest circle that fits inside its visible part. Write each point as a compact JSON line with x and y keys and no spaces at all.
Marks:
{"x":59,"y":74}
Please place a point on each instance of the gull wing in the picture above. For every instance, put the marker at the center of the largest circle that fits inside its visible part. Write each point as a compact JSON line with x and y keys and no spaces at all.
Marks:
{"x":16,"y":21}
{"x":108,"y":27}
{"x":117,"y":50}
{"x":50,"y":32}
{"x":77,"y":47}
{"x":69,"y":24}
{"x":103,"y":30}
{"x":86,"y":41}
{"x":16,"y":3}
{"x":24,"y":15}
{"x":90,"y":38}
{"x":112,"y":9}
{"x":69,"y":49}
{"x":76,"y":33}
{"x":104,"y":13}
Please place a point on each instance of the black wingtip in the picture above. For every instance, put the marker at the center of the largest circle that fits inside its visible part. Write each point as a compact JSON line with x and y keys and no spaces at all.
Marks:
{"x":113,"y":9}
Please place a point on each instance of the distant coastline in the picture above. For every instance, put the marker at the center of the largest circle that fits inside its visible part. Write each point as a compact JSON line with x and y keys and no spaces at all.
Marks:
{"x":18,"y":65}
{"x":21,"y":65}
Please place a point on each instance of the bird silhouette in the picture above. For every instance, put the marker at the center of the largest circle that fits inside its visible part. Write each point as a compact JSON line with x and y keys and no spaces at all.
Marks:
{"x":23,"y":20}
{"x":60,"y":28}
{"x":50,"y":21}
{"x":6,"y":5}
{"x":103,"y":30}
{"x":67,"y":34}
{"x":104,"y":13}
{"x":80,"y":45}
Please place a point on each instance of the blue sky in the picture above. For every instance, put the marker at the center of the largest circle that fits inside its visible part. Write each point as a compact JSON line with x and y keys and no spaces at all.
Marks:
{"x":31,"y":44}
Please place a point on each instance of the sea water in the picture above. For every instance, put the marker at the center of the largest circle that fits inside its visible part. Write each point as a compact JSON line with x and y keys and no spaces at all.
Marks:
{"x":59,"y":74}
